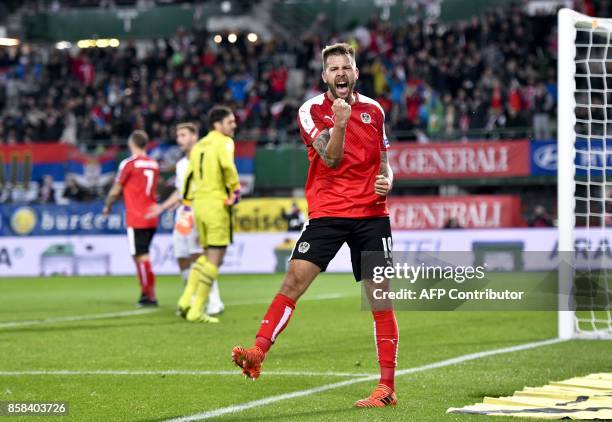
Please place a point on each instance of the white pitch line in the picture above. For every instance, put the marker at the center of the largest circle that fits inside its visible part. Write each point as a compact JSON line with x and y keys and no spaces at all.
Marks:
{"x":12,"y":324}
{"x":175,"y":372}
{"x":273,"y":399}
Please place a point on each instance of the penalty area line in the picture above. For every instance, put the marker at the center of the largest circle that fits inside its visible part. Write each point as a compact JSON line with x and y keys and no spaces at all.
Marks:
{"x":121,"y":314}
{"x":302,"y":393}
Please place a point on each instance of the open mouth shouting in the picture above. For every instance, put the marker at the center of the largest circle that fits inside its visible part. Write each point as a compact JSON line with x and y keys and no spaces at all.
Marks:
{"x":342,"y":88}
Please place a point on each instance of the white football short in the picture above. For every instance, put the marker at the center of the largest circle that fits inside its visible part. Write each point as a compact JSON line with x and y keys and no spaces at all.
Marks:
{"x":186,"y":245}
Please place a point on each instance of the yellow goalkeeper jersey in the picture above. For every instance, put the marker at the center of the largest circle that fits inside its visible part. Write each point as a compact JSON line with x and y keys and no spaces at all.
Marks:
{"x":211,"y":173}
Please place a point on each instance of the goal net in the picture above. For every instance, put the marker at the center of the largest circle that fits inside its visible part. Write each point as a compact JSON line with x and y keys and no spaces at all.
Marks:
{"x":584,"y":175}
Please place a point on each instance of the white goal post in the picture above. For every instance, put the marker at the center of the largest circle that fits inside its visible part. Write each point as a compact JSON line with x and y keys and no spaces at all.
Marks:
{"x":584,"y":191}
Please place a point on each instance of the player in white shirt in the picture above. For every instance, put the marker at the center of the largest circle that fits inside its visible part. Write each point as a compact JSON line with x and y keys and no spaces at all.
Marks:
{"x":185,"y":235}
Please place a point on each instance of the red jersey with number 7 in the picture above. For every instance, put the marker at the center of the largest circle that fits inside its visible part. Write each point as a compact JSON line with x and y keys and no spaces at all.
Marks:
{"x":138,"y":176}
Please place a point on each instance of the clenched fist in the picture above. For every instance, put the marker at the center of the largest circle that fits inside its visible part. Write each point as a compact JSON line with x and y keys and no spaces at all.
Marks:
{"x":342,"y":112}
{"x":382,"y":186}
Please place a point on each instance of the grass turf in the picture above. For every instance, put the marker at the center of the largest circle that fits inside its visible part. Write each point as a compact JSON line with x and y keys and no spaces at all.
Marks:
{"x":328,"y":333}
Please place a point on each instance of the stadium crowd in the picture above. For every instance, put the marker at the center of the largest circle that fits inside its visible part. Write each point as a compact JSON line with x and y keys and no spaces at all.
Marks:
{"x":435,"y":81}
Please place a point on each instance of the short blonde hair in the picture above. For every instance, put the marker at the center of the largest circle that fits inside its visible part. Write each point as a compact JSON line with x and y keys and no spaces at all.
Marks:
{"x":338,"y":49}
{"x":190,"y":126}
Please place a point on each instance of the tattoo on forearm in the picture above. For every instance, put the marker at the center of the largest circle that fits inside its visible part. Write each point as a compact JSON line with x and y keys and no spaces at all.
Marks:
{"x":384,"y":165}
{"x":320,"y":145}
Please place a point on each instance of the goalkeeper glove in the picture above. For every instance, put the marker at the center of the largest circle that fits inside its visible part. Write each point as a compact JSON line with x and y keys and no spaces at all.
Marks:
{"x":233,"y":197}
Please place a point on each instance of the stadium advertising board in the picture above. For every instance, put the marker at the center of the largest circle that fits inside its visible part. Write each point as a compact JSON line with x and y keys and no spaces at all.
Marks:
{"x":460,"y":160}
{"x":250,"y":215}
{"x":71,"y":219}
{"x":543,"y":158}
{"x":475,"y":211}
{"x":265,"y":214}
{"x":268,"y":252}
{"x":591,"y":154}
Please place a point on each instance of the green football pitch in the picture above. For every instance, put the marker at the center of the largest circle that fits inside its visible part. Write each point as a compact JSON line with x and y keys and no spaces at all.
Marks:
{"x":81,"y":340}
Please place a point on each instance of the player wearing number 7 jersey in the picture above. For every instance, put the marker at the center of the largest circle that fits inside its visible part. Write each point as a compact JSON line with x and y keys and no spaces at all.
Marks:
{"x":137,"y":179}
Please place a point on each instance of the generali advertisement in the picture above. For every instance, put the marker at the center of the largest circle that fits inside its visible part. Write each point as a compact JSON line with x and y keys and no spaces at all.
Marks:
{"x":460,"y":160}
{"x":474,"y":211}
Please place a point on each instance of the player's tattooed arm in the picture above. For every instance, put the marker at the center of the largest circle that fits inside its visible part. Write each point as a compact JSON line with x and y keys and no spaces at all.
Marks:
{"x":332,"y":157}
{"x":385,"y":167}
{"x":330,"y":142}
{"x":384,"y":179}
{"x":320,"y":145}
{"x":112,"y":197}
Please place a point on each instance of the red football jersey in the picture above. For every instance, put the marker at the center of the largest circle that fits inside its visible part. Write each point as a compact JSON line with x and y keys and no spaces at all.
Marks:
{"x":348,"y":190}
{"x":138,"y":175}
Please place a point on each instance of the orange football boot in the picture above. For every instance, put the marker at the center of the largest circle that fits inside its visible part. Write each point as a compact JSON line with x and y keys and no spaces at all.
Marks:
{"x":249,"y":360}
{"x":381,"y":396}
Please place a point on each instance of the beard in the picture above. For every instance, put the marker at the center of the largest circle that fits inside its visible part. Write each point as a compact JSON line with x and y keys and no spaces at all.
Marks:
{"x":342,"y":92}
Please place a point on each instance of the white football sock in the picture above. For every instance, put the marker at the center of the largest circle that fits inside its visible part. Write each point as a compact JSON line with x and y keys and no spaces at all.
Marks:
{"x":214,"y":297}
{"x":185,"y":275}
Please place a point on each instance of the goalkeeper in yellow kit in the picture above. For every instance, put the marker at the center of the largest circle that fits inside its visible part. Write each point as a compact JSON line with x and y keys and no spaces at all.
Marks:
{"x":213,"y":187}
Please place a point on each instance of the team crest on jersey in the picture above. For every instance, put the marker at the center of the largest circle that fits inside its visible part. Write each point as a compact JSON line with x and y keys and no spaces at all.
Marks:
{"x":366,"y":118}
{"x":303,"y":247}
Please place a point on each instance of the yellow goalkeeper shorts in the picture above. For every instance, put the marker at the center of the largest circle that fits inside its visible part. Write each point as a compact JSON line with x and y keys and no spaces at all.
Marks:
{"x":214,"y":222}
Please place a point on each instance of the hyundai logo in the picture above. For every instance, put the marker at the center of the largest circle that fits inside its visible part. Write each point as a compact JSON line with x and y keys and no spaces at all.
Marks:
{"x":546,"y":157}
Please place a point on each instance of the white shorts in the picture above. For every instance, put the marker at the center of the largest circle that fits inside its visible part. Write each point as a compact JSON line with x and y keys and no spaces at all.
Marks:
{"x":186,"y":245}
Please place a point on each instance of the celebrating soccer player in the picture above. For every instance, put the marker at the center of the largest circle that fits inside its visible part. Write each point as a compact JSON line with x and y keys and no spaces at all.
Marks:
{"x":185,"y":241}
{"x":137,"y":178}
{"x":213,"y":186}
{"x":348,"y":181}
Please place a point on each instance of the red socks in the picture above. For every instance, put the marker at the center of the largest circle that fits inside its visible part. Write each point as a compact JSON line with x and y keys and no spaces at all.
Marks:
{"x":146,"y":278}
{"x":274,"y":321}
{"x":386,"y":335}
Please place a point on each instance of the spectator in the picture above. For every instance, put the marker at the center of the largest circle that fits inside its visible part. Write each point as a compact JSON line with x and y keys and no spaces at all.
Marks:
{"x":440,"y":80}
{"x":452,"y":223}
{"x":543,"y":108}
{"x":46,"y":192}
{"x":540,"y":218}
{"x":295,"y":218}
{"x":72,"y":190}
